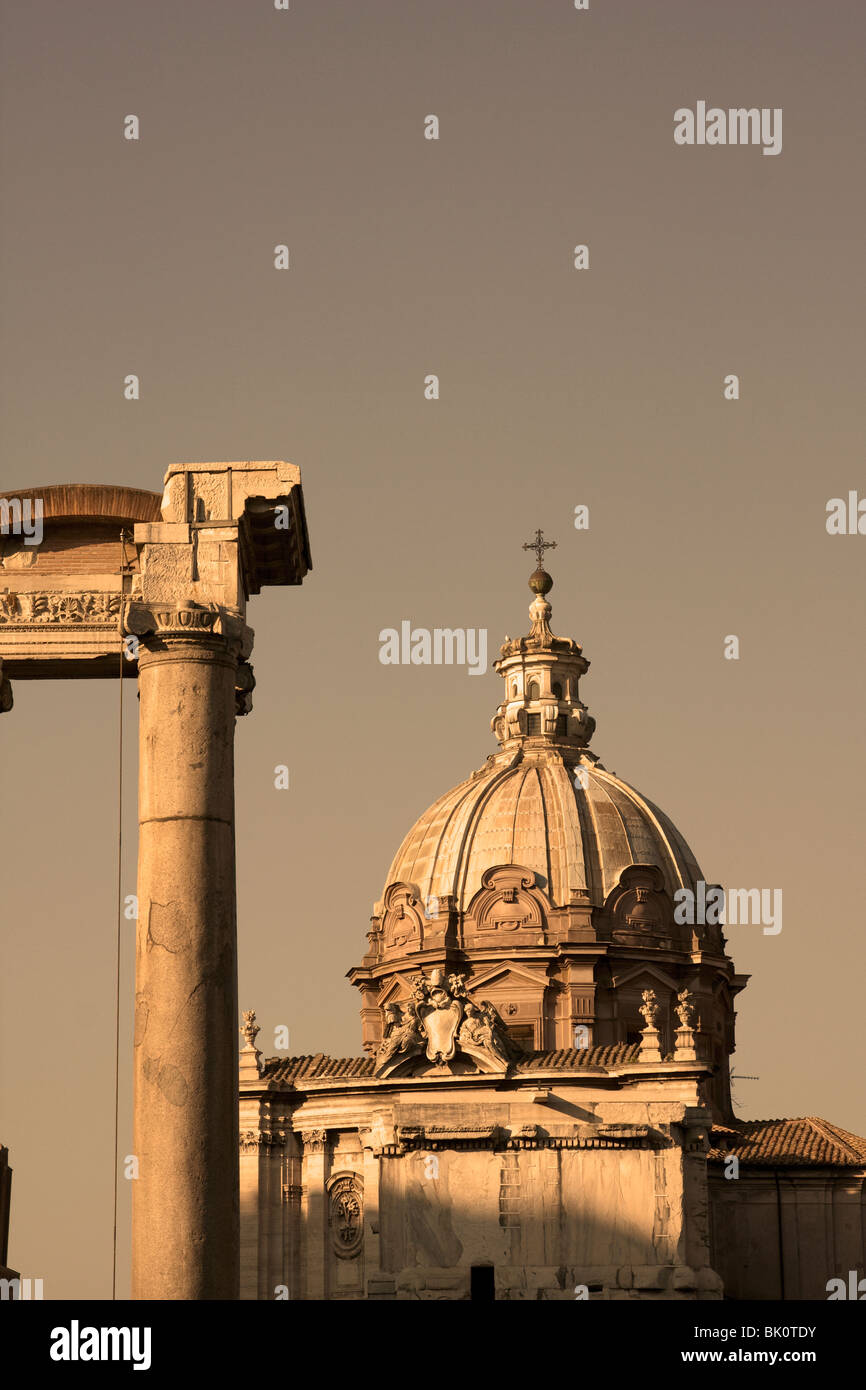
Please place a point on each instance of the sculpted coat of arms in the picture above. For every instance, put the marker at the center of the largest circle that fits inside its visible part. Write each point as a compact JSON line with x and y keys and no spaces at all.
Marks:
{"x":441,"y":1021}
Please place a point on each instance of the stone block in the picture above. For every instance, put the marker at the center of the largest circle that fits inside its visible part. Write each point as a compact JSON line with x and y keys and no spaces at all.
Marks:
{"x":606,"y":1275}
{"x":544,"y":1277}
{"x":380,"y":1286}
{"x":652,"y":1276}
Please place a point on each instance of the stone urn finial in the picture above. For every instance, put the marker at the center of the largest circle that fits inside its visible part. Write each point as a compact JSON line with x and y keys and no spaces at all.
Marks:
{"x":685,"y":1008}
{"x":250,"y":1029}
{"x":649,"y":1008}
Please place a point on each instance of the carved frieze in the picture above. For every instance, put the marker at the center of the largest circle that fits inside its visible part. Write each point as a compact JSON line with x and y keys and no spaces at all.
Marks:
{"x":62,"y":609}
{"x":410,"y":1139}
{"x":254,"y":1140}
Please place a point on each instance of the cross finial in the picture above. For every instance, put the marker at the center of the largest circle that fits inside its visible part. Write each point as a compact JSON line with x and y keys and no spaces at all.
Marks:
{"x":539,"y":545}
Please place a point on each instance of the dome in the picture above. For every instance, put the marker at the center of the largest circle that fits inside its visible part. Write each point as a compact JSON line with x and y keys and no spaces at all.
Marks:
{"x":544,"y":802}
{"x":568,"y":819}
{"x":540,"y":897}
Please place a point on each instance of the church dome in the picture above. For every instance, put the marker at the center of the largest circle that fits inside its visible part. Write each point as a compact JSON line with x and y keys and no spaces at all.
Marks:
{"x":562,"y":815}
{"x":542,"y":896}
{"x":544,"y":802}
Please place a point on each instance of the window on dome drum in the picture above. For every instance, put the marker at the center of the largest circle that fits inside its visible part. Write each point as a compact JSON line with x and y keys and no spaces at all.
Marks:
{"x":562,"y":723}
{"x":557,"y":691}
{"x":534,"y":690}
{"x":533,"y":724}
{"x":482,"y":1283}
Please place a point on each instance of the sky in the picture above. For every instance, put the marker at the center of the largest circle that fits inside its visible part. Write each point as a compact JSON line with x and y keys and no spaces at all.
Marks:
{"x":558,"y":387}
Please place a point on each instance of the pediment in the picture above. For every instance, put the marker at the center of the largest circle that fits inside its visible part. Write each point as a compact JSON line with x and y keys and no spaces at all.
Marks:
{"x":397,"y":988}
{"x":505,"y":970}
{"x":642,"y":972}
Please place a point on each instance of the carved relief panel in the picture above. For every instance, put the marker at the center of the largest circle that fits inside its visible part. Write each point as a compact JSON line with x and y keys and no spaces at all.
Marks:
{"x":402,"y":919}
{"x":345,"y":1205}
{"x":346,"y":1215}
{"x":508,"y":904}
{"x":640,"y":909}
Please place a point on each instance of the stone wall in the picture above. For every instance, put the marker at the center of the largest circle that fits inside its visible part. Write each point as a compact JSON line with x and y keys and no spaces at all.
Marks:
{"x":784,"y":1233}
{"x":405,"y":1197}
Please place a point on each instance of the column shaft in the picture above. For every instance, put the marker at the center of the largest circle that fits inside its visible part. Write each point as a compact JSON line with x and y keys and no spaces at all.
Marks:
{"x":185,"y":1228}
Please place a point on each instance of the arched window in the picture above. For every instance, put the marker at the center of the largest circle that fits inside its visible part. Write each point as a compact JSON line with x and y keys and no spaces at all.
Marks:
{"x":534,"y":690}
{"x":557,"y":690}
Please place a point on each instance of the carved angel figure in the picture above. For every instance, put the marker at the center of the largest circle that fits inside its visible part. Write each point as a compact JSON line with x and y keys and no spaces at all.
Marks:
{"x":474,"y":1028}
{"x":404,"y":1032}
{"x":499,"y":1041}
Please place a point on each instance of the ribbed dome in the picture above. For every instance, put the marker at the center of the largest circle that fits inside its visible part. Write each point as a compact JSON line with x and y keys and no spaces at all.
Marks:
{"x":567,"y":818}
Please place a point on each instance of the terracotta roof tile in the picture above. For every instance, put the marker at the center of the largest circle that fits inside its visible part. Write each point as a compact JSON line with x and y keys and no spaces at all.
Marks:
{"x":293,"y":1069}
{"x":320,"y":1067}
{"x":567,"y":1058}
{"x":806,"y":1141}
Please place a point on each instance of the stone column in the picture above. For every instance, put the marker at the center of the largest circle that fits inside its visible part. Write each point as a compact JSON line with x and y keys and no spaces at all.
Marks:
{"x":185,"y":1229}
{"x":315,"y":1174}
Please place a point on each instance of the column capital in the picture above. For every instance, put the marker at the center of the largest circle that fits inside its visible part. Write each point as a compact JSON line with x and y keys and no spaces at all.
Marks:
{"x":315,"y":1141}
{"x":160,"y":622}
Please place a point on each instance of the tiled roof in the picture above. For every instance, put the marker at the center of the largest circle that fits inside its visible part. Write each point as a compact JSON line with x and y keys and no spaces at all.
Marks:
{"x":318,"y":1067}
{"x":321,"y":1068}
{"x":567,"y":1058}
{"x":778,"y":1143}
{"x":531,"y":811}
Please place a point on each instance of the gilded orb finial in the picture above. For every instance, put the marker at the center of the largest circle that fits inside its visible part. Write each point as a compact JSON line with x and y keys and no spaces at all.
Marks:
{"x":540,"y":581}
